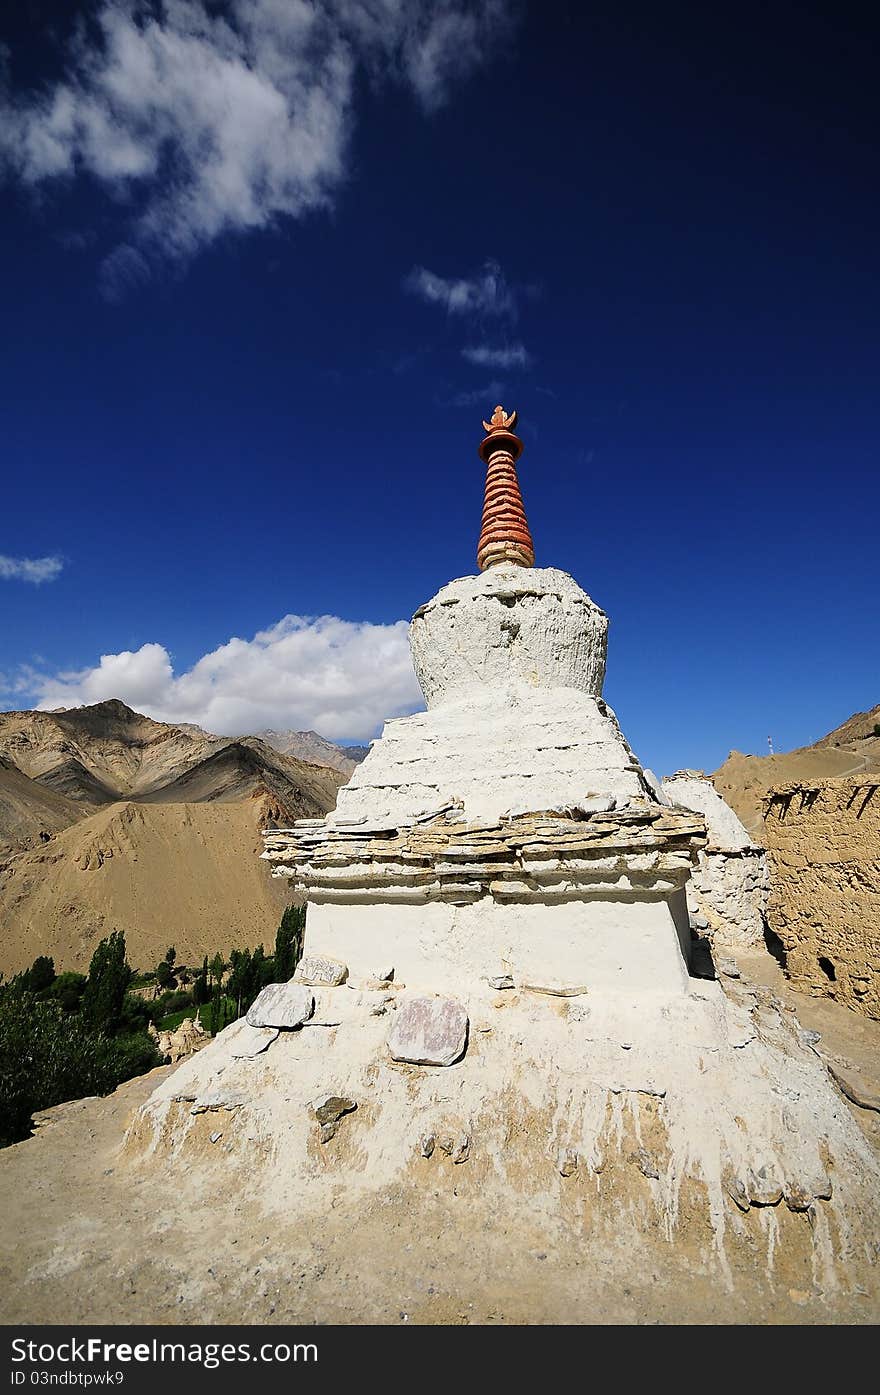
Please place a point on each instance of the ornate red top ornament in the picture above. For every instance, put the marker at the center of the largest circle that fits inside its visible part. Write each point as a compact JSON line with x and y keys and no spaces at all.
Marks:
{"x":500,"y":421}
{"x":505,"y":536}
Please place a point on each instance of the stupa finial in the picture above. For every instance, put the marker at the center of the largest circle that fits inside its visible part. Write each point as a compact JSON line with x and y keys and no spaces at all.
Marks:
{"x":505,"y":536}
{"x":500,"y":420}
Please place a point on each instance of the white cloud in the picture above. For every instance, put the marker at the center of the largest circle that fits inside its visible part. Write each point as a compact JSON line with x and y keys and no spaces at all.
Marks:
{"x":35,"y":569}
{"x":478,"y":397}
{"x":337,"y":677}
{"x":214,"y":119}
{"x":486,"y":293}
{"x":498,"y":356}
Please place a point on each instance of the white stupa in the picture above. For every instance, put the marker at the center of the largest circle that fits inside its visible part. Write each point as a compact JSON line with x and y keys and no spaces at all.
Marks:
{"x":495,"y":999}
{"x":509,"y":828}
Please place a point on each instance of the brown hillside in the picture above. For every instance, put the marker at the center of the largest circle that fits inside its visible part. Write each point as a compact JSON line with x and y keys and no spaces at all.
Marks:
{"x":183,"y":874}
{"x":109,"y":820}
{"x":744,"y":781}
{"x":242,"y":769}
{"x":30,"y":813}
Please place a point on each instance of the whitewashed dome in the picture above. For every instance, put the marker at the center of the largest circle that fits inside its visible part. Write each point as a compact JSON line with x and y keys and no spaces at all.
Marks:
{"x":509,"y":626}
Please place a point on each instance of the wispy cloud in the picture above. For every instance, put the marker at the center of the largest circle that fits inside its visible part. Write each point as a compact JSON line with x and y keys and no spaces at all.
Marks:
{"x":479,"y":397}
{"x":486,"y":293}
{"x":502,"y":356}
{"x":338,"y":677}
{"x":210,"y":119}
{"x":33,"y":569}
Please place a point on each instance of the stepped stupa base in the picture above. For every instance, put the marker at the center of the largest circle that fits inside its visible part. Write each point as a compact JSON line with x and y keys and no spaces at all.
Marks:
{"x":708,"y":1126}
{"x":589,"y":899}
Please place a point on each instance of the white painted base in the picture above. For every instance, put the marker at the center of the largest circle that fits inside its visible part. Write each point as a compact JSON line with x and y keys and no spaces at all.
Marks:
{"x":634,"y":946}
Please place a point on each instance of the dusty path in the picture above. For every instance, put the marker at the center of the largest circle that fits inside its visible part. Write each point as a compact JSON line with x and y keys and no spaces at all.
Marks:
{"x":84,"y":1237}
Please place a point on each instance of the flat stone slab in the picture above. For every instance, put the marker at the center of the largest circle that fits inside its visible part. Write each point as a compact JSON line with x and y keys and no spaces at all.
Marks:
{"x":555,"y":988}
{"x":500,"y":982}
{"x":218,"y":1099}
{"x":428,"y":1031}
{"x":250,"y":1041}
{"x":764,"y":1188}
{"x":318,"y":971}
{"x":284,"y":1005}
{"x":853,"y":1088}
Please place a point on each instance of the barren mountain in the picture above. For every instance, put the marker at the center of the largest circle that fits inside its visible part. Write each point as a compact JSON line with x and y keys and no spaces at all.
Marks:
{"x":181,"y":874}
{"x":101,"y":754}
{"x":847,"y":750}
{"x":29,"y":812}
{"x":309,"y":746}
{"x":109,"y":820}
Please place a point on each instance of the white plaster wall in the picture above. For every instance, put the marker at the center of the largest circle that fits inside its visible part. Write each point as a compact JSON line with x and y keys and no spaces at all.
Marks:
{"x":626,"y":945}
{"x":497,"y":751}
{"x":726,"y":833}
{"x":526,"y":625}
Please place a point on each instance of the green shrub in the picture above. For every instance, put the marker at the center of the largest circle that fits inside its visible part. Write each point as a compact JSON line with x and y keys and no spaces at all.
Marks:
{"x":289,"y":942}
{"x":132,"y":1055}
{"x":68,"y":989}
{"x":48,"y":1055}
{"x":172,"y":1001}
{"x":135,"y":1015}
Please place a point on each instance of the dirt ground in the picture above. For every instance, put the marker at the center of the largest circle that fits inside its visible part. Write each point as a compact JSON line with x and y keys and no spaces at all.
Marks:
{"x":87,"y":1237}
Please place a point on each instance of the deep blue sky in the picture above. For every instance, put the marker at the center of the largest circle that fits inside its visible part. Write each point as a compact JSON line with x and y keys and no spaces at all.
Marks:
{"x":684,"y":205}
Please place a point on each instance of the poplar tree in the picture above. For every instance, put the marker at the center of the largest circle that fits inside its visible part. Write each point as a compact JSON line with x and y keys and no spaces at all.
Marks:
{"x":107,"y":984}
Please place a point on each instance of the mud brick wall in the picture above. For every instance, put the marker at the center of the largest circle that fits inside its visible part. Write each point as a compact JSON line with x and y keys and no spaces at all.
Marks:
{"x":824,"y":842}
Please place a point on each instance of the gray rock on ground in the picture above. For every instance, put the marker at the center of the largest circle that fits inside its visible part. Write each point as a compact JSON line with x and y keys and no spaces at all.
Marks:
{"x":284,"y":1005}
{"x":318,"y":971}
{"x":329,"y":1108}
{"x":429,"y":1031}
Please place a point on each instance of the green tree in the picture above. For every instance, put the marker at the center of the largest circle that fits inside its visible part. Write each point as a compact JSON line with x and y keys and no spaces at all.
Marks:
{"x":218,"y":998}
{"x":135,"y":1015}
{"x":289,"y":942}
{"x":164,"y":974}
{"x":260,"y":974}
{"x":240,"y":975}
{"x":41,"y":974}
{"x":201,"y":991}
{"x":109,"y":977}
{"x":48,"y":1055}
{"x":170,"y":956}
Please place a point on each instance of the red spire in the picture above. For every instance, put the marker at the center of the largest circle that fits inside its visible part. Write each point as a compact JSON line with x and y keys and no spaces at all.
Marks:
{"x":505,"y":535}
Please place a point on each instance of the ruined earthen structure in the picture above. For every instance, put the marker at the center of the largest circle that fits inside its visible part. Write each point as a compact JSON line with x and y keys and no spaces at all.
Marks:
{"x":182,"y":1041}
{"x":496,"y":1001}
{"x":824,"y":841}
